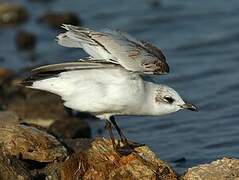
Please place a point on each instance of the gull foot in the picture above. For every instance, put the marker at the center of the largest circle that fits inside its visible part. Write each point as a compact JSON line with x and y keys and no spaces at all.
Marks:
{"x":124,"y":150}
{"x":133,"y":144}
{"x":127,"y":148}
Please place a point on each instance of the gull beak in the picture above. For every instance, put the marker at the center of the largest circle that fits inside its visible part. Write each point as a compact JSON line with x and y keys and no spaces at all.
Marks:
{"x":189,"y":106}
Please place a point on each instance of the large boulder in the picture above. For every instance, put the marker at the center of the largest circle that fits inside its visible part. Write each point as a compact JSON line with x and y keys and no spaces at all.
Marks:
{"x":222,"y":169}
{"x":96,"y":159}
{"x":30,"y":143}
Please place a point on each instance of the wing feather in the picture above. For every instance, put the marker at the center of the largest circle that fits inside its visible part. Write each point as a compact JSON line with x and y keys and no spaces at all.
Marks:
{"x":54,"y":70}
{"x":117,"y":47}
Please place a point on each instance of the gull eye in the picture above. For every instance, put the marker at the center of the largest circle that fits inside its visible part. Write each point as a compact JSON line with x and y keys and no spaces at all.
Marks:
{"x":168,"y":99}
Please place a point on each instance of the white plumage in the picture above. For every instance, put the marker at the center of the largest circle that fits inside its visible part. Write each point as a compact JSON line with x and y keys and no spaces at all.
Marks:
{"x":107,"y":91}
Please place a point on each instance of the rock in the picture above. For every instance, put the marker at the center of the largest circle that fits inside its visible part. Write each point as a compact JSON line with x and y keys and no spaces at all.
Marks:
{"x":223,"y":169}
{"x":56,"y":19}
{"x":69,"y":127}
{"x":4,"y":74}
{"x":25,"y":40}
{"x":30,"y":143}
{"x":12,"y":168}
{"x":9,"y":117}
{"x":12,"y":14}
{"x":96,"y":159}
{"x":51,"y":171}
{"x":36,"y":107}
{"x":73,"y":145}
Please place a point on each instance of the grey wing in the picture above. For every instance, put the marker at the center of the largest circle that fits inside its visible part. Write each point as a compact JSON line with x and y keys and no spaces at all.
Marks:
{"x":138,"y":55}
{"x":54,"y":70}
{"x":116,"y":47}
{"x":84,"y":38}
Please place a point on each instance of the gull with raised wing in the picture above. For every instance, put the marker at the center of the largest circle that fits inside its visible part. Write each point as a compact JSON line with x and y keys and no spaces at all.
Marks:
{"x":116,"y":47}
{"x":106,"y":89}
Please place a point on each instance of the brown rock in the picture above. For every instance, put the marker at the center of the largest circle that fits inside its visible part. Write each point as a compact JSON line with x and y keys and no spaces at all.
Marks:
{"x":223,"y":169}
{"x":12,"y":14}
{"x":56,"y":19}
{"x":51,"y":171}
{"x":25,"y":40}
{"x":36,"y":107}
{"x":5,"y":74}
{"x":9,"y":117}
{"x":74,"y":144}
{"x":11,"y":168}
{"x":96,"y":159}
{"x":69,"y":127}
{"x":30,"y":143}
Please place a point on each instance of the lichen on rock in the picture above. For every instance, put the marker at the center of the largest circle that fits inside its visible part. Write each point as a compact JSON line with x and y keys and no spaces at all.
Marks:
{"x":222,"y":169}
{"x":97,"y":159}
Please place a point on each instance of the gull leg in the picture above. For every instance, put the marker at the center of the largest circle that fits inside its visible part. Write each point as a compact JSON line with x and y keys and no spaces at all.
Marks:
{"x":123,"y":138}
{"x":121,"y":134}
{"x":108,"y":126}
{"x":117,"y":148}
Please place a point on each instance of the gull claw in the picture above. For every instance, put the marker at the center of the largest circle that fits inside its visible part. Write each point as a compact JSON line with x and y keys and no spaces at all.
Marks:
{"x":127,"y":148}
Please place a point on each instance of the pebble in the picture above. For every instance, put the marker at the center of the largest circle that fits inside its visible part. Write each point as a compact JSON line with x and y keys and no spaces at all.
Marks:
{"x":12,"y":14}
{"x":25,"y":40}
{"x":56,"y":19}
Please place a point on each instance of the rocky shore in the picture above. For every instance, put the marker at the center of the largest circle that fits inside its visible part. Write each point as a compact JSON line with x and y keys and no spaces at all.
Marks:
{"x":40,"y":139}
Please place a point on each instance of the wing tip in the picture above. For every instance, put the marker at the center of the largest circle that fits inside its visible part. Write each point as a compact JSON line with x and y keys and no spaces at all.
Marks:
{"x":28,"y":82}
{"x":162,"y":69}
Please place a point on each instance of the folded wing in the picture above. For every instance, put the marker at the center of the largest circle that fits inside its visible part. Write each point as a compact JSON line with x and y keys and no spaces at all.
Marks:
{"x":53,"y":70}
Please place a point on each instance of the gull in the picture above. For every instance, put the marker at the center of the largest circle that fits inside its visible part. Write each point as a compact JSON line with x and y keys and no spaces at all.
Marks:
{"x":116,"y":47}
{"x":106,"y":89}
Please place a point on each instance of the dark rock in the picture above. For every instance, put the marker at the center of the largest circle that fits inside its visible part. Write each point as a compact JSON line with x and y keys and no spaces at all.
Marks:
{"x":223,"y":169}
{"x":36,"y":107}
{"x":12,"y":168}
{"x":4,"y":74}
{"x":25,"y":40}
{"x":51,"y":171}
{"x":97,"y":158}
{"x":30,"y":143}
{"x":56,"y":19}
{"x":70,"y":127}
{"x":11,"y":14}
{"x":9,"y":117}
{"x":75,"y":144}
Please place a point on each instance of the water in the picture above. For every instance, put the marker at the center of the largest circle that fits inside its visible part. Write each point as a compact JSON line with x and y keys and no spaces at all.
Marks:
{"x":201,"y":42}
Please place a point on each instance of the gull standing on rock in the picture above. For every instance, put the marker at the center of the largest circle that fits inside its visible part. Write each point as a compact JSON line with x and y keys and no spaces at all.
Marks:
{"x":111,"y":82}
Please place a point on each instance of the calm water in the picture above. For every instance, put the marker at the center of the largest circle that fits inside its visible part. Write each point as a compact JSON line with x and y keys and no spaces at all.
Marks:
{"x":201,"y":42}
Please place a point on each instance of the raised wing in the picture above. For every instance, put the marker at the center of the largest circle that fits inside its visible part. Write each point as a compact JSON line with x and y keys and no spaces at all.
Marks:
{"x":116,"y":47}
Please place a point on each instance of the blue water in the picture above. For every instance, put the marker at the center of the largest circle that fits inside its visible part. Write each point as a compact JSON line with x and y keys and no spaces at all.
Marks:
{"x":201,"y":42}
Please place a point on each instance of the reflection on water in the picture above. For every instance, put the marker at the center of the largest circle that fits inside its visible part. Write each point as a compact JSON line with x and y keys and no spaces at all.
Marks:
{"x":200,"y":40}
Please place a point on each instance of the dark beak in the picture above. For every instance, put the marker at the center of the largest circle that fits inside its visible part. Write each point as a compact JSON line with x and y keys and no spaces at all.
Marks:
{"x":189,"y":106}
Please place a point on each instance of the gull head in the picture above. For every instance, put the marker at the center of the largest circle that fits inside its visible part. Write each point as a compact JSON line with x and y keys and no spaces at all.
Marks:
{"x":167,"y":100}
